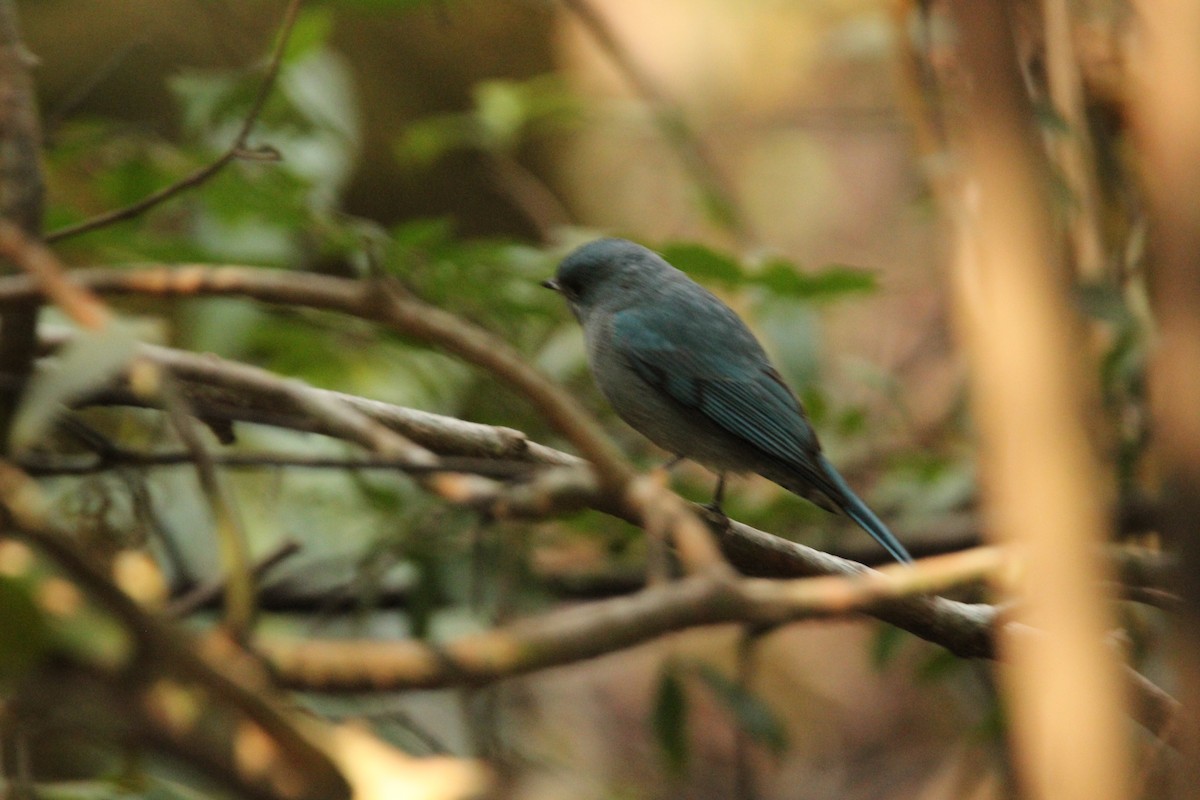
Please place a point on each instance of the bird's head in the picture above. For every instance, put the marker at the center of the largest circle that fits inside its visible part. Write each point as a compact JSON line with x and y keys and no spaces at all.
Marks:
{"x":608,"y":273}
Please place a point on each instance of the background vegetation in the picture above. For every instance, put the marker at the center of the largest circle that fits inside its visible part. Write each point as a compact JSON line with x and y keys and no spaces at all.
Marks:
{"x":293,"y":499}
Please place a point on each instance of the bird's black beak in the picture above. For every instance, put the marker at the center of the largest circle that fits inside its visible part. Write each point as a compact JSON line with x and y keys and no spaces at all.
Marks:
{"x":550,"y":283}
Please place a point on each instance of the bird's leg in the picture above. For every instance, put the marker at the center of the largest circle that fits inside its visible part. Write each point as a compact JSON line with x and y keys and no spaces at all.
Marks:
{"x":718,"y":496}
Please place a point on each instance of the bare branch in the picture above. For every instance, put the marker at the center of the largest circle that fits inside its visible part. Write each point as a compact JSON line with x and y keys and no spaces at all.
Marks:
{"x":43,"y":266}
{"x":387,"y":304}
{"x":201,"y":596}
{"x":1033,"y":385}
{"x":230,"y":531}
{"x":582,"y":632}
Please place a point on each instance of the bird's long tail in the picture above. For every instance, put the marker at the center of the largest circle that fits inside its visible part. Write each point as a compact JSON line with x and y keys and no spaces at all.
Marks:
{"x":857,"y":510}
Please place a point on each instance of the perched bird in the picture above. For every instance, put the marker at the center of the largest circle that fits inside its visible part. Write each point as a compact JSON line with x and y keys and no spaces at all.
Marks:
{"x":682,"y":368}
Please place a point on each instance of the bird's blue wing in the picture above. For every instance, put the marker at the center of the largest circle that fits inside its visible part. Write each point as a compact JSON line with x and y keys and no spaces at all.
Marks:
{"x":708,"y":361}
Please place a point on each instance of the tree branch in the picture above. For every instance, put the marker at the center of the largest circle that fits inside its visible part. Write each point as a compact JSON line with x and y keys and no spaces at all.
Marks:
{"x":586,"y":631}
{"x":658,"y":510}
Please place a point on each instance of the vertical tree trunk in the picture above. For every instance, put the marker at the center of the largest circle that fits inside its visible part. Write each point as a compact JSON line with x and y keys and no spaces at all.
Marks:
{"x":1168,"y":133}
{"x":21,"y":201}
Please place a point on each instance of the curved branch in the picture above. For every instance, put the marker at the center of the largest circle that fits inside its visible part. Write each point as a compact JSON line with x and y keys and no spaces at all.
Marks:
{"x":658,"y":510}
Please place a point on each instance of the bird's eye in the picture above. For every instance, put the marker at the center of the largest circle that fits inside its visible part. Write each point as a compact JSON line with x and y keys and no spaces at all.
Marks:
{"x":569,"y":289}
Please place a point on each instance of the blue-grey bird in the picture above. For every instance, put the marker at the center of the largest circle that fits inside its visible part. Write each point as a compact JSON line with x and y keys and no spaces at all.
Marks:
{"x":684,"y":370}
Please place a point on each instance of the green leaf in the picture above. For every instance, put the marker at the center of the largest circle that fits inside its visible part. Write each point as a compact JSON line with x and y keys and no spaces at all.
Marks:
{"x":703,"y":264}
{"x":87,"y":362}
{"x":886,"y":644}
{"x":426,"y":141}
{"x":23,"y":632}
{"x":831,"y":283}
{"x":399,"y":5}
{"x":501,"y":111}
{"x":939,"y":665}
{"x":205,"y":97}
{"x":423,"y":233}
{"x":670,"y":718}
{"x":311,"y":32}
{"x":1105,"y":303}
{"x":852,"y":421}
{"x":752,"y":714}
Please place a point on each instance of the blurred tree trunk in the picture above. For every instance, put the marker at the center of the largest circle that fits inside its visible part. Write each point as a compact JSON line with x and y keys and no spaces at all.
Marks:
{"x":21,"y":195}
{"x":1033,"y":383}
{"x":1168,"y":128}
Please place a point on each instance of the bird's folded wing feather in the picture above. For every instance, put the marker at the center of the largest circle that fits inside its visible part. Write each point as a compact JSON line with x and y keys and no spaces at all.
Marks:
{"x":725,"y":376}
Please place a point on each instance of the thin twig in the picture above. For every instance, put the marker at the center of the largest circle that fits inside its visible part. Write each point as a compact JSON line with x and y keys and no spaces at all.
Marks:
{"x":119,"y":457}
{"x":201,"y":596}
{"x":231,"y":534}
{"x":239,"y":148}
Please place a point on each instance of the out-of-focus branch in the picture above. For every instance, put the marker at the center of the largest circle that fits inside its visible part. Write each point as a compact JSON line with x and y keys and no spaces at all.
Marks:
{"x":162,"y":652}
{"x":37,"y":261}
{"x":239,"y":148}
{"x":205,"y":702}
{"x":210,"y":592}
{"x":227,"y":521}
{"x":1073,"y":148}
{"x":696,"y":158}
{"x":894,"y":594}
{"x":1030,"y":373}
{"x":21,"y":197}
{"x":1166,"y":122}
{"x":583,"y":632}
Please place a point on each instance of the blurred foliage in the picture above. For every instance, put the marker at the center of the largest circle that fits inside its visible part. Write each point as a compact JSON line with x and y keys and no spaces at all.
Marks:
{"x":505,"y":114}
{"x":370,"y":538}
{"x":282,"y":209}
{"x":670,"y":713}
